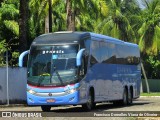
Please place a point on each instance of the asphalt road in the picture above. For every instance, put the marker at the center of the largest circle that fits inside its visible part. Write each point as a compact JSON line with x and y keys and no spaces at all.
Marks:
{"x":145,"y":104}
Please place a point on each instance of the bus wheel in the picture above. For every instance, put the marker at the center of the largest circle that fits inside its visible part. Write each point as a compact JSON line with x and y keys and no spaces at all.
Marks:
{"x":125,"y":98}
{"x":46,"y":108}
{"x":117,"y":103}
{"x":129,"y":101}
{"x":90,"y":103}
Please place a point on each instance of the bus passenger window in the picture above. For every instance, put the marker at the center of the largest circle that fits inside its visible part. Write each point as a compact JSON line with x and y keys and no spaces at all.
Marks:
{"x":95,"y":53}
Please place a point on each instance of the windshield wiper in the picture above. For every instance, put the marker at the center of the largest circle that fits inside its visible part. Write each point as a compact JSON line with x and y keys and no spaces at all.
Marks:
{"x":59,"y":77}
{"x":42,"y":78}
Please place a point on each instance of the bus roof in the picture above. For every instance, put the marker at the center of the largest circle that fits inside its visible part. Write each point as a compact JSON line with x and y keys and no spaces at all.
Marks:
{"x":64,"y":37}
{"x":111,"y":39}
{"x":61,"y":37}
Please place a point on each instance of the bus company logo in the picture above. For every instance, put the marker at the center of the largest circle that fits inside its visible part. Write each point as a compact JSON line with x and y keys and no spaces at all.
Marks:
{"x":50,"y":51}
{"x":50,"y":94}
{"x":6,"y":114}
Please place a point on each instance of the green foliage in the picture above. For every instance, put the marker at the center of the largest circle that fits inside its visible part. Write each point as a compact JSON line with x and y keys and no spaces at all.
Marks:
{"x":116,"y":24}
{"x":149,"y":31}
{"x":152,"y":66}
{"x":121,"y":19}
{"x":151,"y":94}
{"x":39,"y":12}
{"x":2,"y":50}
{"x":9,"y":30}
{"x":9,"y":11}
{"x":13,"y":26}
{"x":15,"y":56}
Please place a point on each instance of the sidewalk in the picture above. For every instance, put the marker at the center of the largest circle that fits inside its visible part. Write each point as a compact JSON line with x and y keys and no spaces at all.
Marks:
{"x":150,"y":96}
{"x":13,"y":105}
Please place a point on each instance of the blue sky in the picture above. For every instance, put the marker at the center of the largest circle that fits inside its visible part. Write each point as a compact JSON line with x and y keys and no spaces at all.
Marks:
{"x":141,"y":3}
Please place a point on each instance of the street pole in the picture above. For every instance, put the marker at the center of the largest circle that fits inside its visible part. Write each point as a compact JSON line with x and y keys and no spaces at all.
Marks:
{"x":7,"y":77}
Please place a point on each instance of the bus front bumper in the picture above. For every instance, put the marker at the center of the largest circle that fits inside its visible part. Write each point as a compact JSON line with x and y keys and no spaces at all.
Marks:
{"x":69,"y":99}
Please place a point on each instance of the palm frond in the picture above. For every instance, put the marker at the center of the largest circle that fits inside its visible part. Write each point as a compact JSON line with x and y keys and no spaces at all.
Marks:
{"x":9,"y":11}
{"x":103,"y":7}
{"x":13,"y":26}
{"x":156,"y":41}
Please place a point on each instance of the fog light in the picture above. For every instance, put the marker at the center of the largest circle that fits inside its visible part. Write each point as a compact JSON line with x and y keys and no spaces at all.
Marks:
{"x":70,"y":99}
{"x":31,"y":100}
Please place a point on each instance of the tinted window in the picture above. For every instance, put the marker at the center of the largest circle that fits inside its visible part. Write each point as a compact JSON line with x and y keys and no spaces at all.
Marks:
{"x":52,"y":65}
{"x":95,"y":53}
{"x":108,"y":52}
{"x":127,"y":55}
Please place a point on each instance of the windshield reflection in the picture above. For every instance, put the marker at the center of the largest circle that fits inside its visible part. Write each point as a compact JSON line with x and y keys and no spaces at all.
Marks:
{"x":52,"y":65}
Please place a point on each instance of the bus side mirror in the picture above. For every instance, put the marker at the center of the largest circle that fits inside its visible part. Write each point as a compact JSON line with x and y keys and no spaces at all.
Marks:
{"x":79,"y":57}
{"x":20,"y":63}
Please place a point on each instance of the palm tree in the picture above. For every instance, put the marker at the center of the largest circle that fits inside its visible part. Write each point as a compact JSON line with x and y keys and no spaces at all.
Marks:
{"x":9,"y":29}
{"x":89,"y":9}
{"x":117,"y":24}
{"x":59,"y":16}
{"x":75,"y":11}
{"x":149,"y":31}
{"x":40,"y":14}
{"x":23,"y":25}
{"x":70,"y":16}
{"x":9,"y":20}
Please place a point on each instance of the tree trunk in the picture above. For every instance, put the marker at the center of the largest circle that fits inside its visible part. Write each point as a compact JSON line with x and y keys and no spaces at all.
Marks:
{"x":145,"y":77}
{"x":23,"y":25}
{"x":47,"y":24}
{"x":50,"y":15}
{"x":73,"y":21}
{"x":70,"y":16}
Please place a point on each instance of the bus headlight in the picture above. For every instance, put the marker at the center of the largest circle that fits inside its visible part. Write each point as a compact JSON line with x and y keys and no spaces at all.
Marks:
{"x":72,"y":90}
{"x":31,"y":91}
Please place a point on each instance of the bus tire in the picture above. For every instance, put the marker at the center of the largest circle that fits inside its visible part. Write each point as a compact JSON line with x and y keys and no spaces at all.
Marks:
{"x":125,"y":98}
{"x":46,"y":108}
{"x":90,"y":103}
{"x":129,"y":100}
{"x":117,"y":103}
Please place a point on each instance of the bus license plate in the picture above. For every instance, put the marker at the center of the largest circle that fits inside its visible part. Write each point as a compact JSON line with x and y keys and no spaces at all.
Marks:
{"x":50,"y":100}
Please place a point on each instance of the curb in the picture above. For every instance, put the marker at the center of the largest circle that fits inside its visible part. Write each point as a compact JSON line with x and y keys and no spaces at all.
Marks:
{"x":13,"y":105}
{"x":149,"y":96}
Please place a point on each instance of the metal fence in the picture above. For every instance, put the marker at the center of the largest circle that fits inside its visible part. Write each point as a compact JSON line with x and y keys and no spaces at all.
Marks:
{"x":154,"y":85}
{"x":17,"y":80}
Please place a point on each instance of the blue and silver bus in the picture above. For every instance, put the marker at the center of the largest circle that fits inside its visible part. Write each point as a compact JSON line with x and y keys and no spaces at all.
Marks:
{"x":82,"y":68}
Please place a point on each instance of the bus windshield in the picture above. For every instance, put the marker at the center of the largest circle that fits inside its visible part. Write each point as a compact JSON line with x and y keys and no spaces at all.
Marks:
{"x":52,"y":65}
